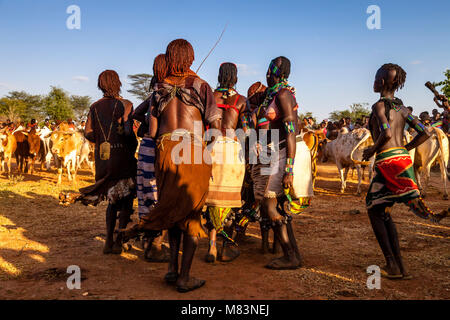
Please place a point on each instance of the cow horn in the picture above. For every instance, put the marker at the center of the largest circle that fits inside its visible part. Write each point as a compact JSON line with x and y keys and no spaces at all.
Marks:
{"x":363,"y":139}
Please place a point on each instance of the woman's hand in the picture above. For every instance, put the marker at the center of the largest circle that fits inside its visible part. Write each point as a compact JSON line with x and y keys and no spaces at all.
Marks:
{"x":368,"y":153}
{"x":443,"y":99}
{"x":288,"y":180}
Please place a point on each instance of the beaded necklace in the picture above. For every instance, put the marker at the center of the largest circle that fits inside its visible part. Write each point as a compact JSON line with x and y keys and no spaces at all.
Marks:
{"x":393,"y":102}
{"x":226,"y":92}
{"x":272,"y":92}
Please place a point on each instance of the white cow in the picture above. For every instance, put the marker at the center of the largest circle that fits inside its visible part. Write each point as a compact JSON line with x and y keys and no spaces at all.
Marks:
{"x":346,"y":151}
{"x":435,"y":149}
{"x":46,"y":151}
{"x":86,"y":149}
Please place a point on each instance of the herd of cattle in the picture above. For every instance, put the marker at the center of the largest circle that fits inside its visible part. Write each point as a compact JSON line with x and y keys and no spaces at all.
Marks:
{"x":69,"y":149}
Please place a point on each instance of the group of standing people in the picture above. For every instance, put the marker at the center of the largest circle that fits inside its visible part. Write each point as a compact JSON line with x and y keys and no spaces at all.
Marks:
{"x":172,"y":194}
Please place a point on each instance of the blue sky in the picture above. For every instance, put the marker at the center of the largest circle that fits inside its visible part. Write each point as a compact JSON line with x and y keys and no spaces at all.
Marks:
{"x":334,"y":55}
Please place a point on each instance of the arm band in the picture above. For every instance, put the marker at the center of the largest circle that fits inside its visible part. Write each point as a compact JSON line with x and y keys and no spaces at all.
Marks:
{"x":245,"y":122}
{"x":289,"y":126}
{"x":290,"y":161}
{"x":385,"y":126}
{"x":419,"y":127}
{"x":289,"y":170}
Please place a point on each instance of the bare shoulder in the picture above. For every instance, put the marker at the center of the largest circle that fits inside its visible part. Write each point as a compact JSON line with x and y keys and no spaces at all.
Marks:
{"x":405,"y":111}
{"x":242,"y":100}
{"x":285,"y":93}
{"x":378,"y":105}
{"x":126,"y":103}
{"x":285,"y":96}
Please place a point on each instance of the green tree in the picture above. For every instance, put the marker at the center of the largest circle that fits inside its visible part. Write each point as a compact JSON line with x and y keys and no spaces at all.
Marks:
{"x":33,"y":104}
{"x":57,"y":105}
{"x":307,"y":114}
{"x":81,"y":105}
{"x":355,"y":111}
{"x":445,"y":84}
{"x":140,"y":84}
{"x":13,"y":109}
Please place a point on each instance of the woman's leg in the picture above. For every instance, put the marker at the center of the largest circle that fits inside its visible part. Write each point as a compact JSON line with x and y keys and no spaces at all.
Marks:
{"x":111,"y":216}
{"x":393,"y":240}
{"x":377,"y":216}
{"x":229,"y":250}
{"x":174,"y":243}
{"x":154,"y":251}
{"x":125,"y":206}
{"x":185,"y":282}
{"x":212,"y":248}
{"x":289,"y":259}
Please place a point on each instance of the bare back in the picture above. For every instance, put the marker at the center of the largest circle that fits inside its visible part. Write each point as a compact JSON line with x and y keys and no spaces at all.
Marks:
{"x":178,"y":115}
{"x":230,"y":114}
{"x":397,"y":121}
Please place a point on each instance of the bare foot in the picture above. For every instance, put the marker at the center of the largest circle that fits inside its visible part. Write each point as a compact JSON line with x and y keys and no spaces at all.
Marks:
{"x":130,"y":233}
{"x":171,"y":277}
{"x":154,"y":254}
{"x":390,"y":272}
{"x":228,"y":253}
{"x":418,"y":207}
{"x":107,"y":249}
{"x":437,"y":217}
{"x":189,"y":285}
{"x":211,"y":256}
{"x":283,"y":264}
{"x":117,"y":247}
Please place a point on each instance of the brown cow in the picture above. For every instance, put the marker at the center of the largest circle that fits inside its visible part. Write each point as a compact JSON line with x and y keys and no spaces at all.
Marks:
{"x":8,"y":144}
{"x":34,"y":142}
{"x":66,"y":145}
{"x":22,"y":150}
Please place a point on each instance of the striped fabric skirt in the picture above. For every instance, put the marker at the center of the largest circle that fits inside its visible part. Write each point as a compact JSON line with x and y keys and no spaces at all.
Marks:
{"x":147,"y":192}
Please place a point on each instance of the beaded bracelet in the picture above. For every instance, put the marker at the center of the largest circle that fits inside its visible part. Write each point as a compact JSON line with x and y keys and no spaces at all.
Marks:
{"x":289,"y":170}
{"x":290,"y":161}
{"x":289,"y":127}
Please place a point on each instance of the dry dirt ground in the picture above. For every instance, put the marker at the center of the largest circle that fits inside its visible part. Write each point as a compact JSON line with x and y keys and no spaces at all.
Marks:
{"x":39,"y":239}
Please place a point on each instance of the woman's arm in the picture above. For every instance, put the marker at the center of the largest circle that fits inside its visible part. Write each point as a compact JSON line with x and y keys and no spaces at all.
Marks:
{"x":445,"y":105}
{"x":153,"y":122}
{"x":378,"y":110}
{"x":422,"y":132}
{"x":140,"y":112}
{"x":286,"y":103}
{"x":127,"y":119}
{"x":89,"y":128}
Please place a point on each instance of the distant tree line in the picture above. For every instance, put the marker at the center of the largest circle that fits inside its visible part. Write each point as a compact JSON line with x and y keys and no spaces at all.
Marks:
{"x":59,"y":105}
{"x":56,"y":105}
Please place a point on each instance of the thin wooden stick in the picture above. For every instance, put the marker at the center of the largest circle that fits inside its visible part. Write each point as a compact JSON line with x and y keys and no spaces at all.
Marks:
{"x":212,"y":49}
